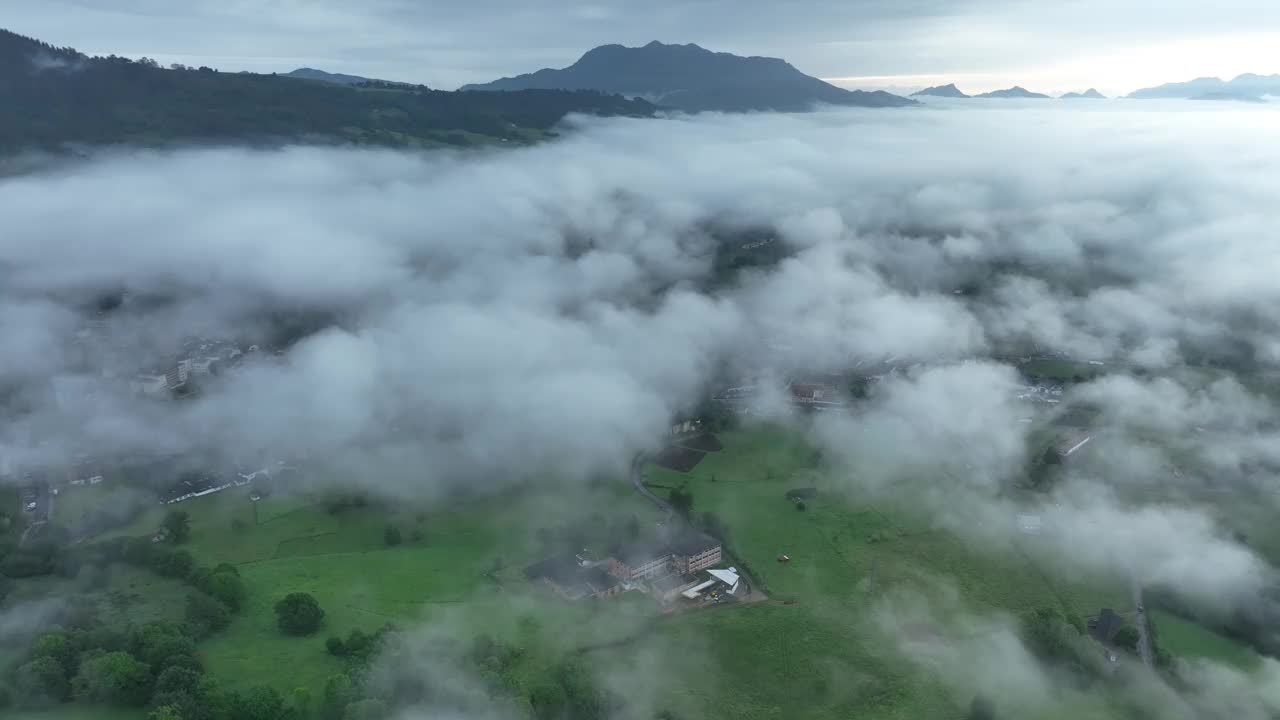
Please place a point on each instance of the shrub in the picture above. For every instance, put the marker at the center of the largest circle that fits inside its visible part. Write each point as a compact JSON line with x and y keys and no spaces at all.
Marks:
{"x":335,"y":646}
{"x":391,"y":535}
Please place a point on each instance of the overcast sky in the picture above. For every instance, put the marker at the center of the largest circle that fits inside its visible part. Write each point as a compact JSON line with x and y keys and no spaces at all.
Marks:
{"x":1115,"y":45}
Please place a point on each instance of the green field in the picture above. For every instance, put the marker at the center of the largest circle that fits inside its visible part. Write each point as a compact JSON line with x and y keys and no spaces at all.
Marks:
{"x":816,"y":649}
{"x":1186,"y":639}
{"x":288,"y":544}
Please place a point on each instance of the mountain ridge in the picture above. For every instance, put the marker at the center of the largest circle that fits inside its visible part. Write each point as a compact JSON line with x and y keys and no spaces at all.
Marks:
{"x":58,"y":98}
{"x":949,"y":90}
{"x":1245,"y":85}
{"x":1017,"y":91}
{"x":308,"y":73}
{"x":693,"y":79}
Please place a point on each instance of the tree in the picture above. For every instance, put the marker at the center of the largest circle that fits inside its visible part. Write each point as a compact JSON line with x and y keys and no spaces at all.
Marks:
{"x":339,"y":692}
{"x":158,"y":643}
{"x":223,"y":583}
{"x":165,"y":712}
{"x":302,"y":702}
{"x":117,"y":678}
{"x":800,"y":505}
{"x":177,"y":679}
{"x":682,"y":501}
{"x":259,"y":703}
{"x":391,"y":535}
{"x":178,"y":523}
{"x":982,"y":709}
{"x":58,"y":646}
{"x":367,"y":709}
{"x":40,"y":683}
{"x":548,"y":702}
{"x":1127,"y":638}
{"x":205,"y":615}
{"x":298,"y":614}
{"x":335,"y":646}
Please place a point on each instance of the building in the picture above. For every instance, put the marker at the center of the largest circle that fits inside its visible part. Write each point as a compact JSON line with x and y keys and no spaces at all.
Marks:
{"x":693,"y":552}
{"x":573,"y":581}
{"x":670,"y":587}
{"x":1104,"y":627}
{"x":152,"y":385}
{"x":177,"y":376}
{"x":641,"y":561}
{"x":684,"y":554}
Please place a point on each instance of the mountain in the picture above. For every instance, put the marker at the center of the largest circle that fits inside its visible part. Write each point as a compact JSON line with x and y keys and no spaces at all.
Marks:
{"x":1089,"y":94}
{"x":949,"y":90}
{"x":693,"y":79}
{"x":339,"y":78}
{"x":1013,"y":92}
{"x":54,"y":97}
{"x":1244,"y":86}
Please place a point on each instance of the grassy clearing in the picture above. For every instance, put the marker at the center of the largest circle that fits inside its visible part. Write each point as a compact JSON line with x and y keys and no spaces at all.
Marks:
{"x":1187,"y":639}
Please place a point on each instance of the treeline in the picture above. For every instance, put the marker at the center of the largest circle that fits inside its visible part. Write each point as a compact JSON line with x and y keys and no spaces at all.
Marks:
{"x":50,"y":97}
{"x":389,"y":673}
{"x":153,"y":664}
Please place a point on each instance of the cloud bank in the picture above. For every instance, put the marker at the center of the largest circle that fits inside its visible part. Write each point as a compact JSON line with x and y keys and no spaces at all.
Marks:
{"x":489,"y":318}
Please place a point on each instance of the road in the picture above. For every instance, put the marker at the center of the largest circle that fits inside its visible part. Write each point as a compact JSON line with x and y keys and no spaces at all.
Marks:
{"x":1140,"y":618}
{"x":637,"y":480}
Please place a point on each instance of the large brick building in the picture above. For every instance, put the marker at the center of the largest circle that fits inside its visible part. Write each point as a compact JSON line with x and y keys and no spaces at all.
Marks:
{"x":684,"y":554}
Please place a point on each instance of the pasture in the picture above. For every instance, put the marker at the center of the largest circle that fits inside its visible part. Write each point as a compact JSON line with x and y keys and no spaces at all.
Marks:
{"x":1189,"y":640}
{"x":818,"y":648}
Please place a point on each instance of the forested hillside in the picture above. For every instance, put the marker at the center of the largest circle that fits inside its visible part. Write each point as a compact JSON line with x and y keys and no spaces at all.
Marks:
{"x":51,"y":96}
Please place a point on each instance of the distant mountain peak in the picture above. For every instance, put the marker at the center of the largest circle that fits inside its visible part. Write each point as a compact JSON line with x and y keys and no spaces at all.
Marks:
{"x":694,"y":79}
{"x":1090,"y":94}
{"x":949,"y":90}
{"x":1017,"y":91}
{"x":1246,"y":86}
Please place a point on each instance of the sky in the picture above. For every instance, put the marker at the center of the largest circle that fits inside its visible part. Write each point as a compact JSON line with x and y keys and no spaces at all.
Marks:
{"x":1115,"y":46}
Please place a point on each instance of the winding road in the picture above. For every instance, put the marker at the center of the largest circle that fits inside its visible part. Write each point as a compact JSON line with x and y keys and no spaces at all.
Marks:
{"x":637,"y":480}
{"x":1140,"y":616}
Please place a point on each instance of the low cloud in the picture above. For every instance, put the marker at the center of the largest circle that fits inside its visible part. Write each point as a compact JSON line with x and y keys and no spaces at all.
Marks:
{"x":491,"y":317}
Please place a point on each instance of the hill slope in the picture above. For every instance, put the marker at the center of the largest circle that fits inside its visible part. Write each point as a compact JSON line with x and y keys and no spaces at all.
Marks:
{"x":693,"y":79}
{"x":1247,"y":86}
{"x":51,"y":97}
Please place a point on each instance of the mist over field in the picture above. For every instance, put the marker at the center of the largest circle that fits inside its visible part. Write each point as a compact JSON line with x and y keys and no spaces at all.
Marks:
{"x":487,"y":319}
